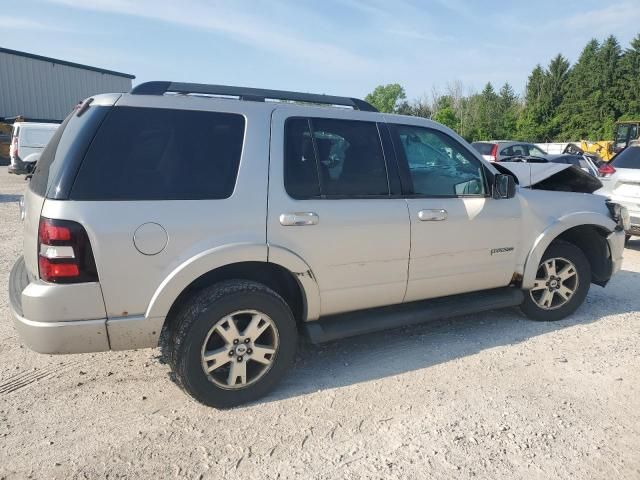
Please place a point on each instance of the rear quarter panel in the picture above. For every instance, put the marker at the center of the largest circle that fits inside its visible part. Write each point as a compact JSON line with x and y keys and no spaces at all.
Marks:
{"x":130,"y":279}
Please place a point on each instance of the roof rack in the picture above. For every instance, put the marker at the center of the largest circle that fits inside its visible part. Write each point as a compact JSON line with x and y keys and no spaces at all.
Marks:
{"x":250,"y":94}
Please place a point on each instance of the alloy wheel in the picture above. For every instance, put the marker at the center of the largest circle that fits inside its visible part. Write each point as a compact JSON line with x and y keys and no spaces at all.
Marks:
{"x":556,"y":282}
{"x":240,"y":349}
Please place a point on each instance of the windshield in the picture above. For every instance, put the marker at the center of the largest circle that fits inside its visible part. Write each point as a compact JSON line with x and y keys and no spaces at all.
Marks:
{"x":622,"y":134}
{"x":628,"y":158}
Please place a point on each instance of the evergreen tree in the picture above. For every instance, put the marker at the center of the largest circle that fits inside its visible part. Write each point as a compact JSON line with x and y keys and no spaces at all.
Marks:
{"x":608,"y":80}
{"x":508,"y":109}
{"x":578,"y":112}
{"x":628,"y":88}
{"x":488,"y":120}
{"x":532,"y":115}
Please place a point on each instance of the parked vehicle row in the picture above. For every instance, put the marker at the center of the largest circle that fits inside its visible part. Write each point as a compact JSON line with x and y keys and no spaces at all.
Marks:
{"x":497,"y":151}
{"x":222,"y":228}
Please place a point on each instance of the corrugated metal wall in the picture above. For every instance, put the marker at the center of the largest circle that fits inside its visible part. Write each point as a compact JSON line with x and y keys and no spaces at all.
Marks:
{"x":38,"y":89}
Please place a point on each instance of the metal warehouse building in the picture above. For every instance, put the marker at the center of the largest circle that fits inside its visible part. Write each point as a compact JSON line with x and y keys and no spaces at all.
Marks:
{"x":46,"y":89}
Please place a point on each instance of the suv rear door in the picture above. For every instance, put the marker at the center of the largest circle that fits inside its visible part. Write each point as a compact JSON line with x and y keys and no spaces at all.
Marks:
{"x":328,"y":171}
{"x":462,"y":240}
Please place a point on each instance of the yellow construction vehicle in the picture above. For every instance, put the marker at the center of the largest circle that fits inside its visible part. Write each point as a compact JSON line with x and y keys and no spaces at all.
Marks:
{"x":625,"y":132}
{"x":602,"y":148}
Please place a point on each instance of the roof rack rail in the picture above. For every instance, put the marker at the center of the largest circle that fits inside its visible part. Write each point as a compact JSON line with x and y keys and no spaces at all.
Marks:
{"x":246,"y":93}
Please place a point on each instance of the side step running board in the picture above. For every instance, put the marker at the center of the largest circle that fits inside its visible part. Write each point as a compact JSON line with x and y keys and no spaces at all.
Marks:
{"x":351,"y":324}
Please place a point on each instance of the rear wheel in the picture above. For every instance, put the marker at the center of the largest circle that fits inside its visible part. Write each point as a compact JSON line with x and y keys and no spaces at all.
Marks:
{"x":232,"y":343}
{"x":561,"y":285}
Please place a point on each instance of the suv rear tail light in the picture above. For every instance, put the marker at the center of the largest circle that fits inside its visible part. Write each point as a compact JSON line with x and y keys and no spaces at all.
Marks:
{"x":494,"y":153}
{"x":13,"y":149}
{"x":606,"y":170}
{"x":64,"y":252}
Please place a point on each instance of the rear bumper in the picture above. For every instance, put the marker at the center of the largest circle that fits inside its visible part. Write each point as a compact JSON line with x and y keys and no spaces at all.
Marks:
{"x":62,"y":337}
{"x":41,"y":314}
{"x":72,"y":319}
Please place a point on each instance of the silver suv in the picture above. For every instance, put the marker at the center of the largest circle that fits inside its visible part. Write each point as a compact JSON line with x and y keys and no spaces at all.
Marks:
{"x":221,"y":228}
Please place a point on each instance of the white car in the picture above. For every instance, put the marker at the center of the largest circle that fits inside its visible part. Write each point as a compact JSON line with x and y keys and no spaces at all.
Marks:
{"x":621,"y":182}
{"x":28,"y":140}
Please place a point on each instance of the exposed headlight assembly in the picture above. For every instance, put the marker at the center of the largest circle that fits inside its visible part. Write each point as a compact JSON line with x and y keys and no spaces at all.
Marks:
{"x":620,"y":215}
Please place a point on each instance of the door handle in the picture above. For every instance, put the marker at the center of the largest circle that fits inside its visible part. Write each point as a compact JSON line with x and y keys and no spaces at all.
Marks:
{"x":299,"y":219}
{"x":432,"y":215}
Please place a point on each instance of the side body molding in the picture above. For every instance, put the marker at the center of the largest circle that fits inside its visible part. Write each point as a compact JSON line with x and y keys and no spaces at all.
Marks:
{"x":561,"y":225}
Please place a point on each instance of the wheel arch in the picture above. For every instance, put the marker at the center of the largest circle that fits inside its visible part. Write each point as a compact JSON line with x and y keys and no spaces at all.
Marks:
{"x":279,"y":269}
{"x":587,"y":231}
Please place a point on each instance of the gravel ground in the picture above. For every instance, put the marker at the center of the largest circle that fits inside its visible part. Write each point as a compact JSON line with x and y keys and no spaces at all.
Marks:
{"x":485,"y":396}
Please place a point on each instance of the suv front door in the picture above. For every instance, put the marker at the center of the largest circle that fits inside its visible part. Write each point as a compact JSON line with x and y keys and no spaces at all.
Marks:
{"x":328,"y":172}
{"x":462,"y":240}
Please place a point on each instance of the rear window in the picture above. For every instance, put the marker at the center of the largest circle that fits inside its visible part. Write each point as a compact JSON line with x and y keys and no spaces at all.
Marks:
{"x":483,"y":148}
{"x":60,"y":159}
{"x":162,"y":154}
{"x":40,"y":179}
{"x":628,"y":158}
{"x":35,"y":137}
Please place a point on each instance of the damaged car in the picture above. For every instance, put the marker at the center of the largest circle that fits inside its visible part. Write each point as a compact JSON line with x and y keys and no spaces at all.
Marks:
{"x":305,"y":215}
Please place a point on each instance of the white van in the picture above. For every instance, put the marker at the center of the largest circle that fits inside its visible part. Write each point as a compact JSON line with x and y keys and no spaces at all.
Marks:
{"x":27,"y":139}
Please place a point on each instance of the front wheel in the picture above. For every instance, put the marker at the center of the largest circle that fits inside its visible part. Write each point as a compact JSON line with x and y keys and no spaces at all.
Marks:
{"x":562,"y":283}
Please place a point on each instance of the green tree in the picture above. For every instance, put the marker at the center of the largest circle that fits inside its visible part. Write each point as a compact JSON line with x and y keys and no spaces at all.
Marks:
{"x":508,"y":109}
{"x":445,"y":113}
{"x":416,"y":108}
{"x":545,"y":92}
{"x":628,"y":85}
{"x":488,"y":118}
{"x":532,"y":115}
{"x":387,"y":98}
{"x":578,"y":112}
{"x":609,"y":72}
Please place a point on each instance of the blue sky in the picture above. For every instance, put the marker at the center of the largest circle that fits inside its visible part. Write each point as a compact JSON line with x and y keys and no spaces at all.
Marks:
{"x":342,"y":47}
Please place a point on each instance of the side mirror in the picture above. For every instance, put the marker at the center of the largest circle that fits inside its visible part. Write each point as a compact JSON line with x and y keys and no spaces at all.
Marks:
{"x":504,"y":186}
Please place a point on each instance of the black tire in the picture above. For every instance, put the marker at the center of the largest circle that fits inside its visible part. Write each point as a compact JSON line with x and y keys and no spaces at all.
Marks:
{"x":197,"y":317}
{"x":627,"y":238}
{"x":572,"y":253}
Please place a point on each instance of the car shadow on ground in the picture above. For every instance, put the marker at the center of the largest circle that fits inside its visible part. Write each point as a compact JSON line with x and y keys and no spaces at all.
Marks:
{"x":8,"y":198}
{"x":374,"y":356}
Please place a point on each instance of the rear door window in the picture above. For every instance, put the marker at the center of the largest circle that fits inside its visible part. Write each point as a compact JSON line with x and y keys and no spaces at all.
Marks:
{"x":628,"y":158}
{"x":162,"y":154}
{"x":330,"y":158}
